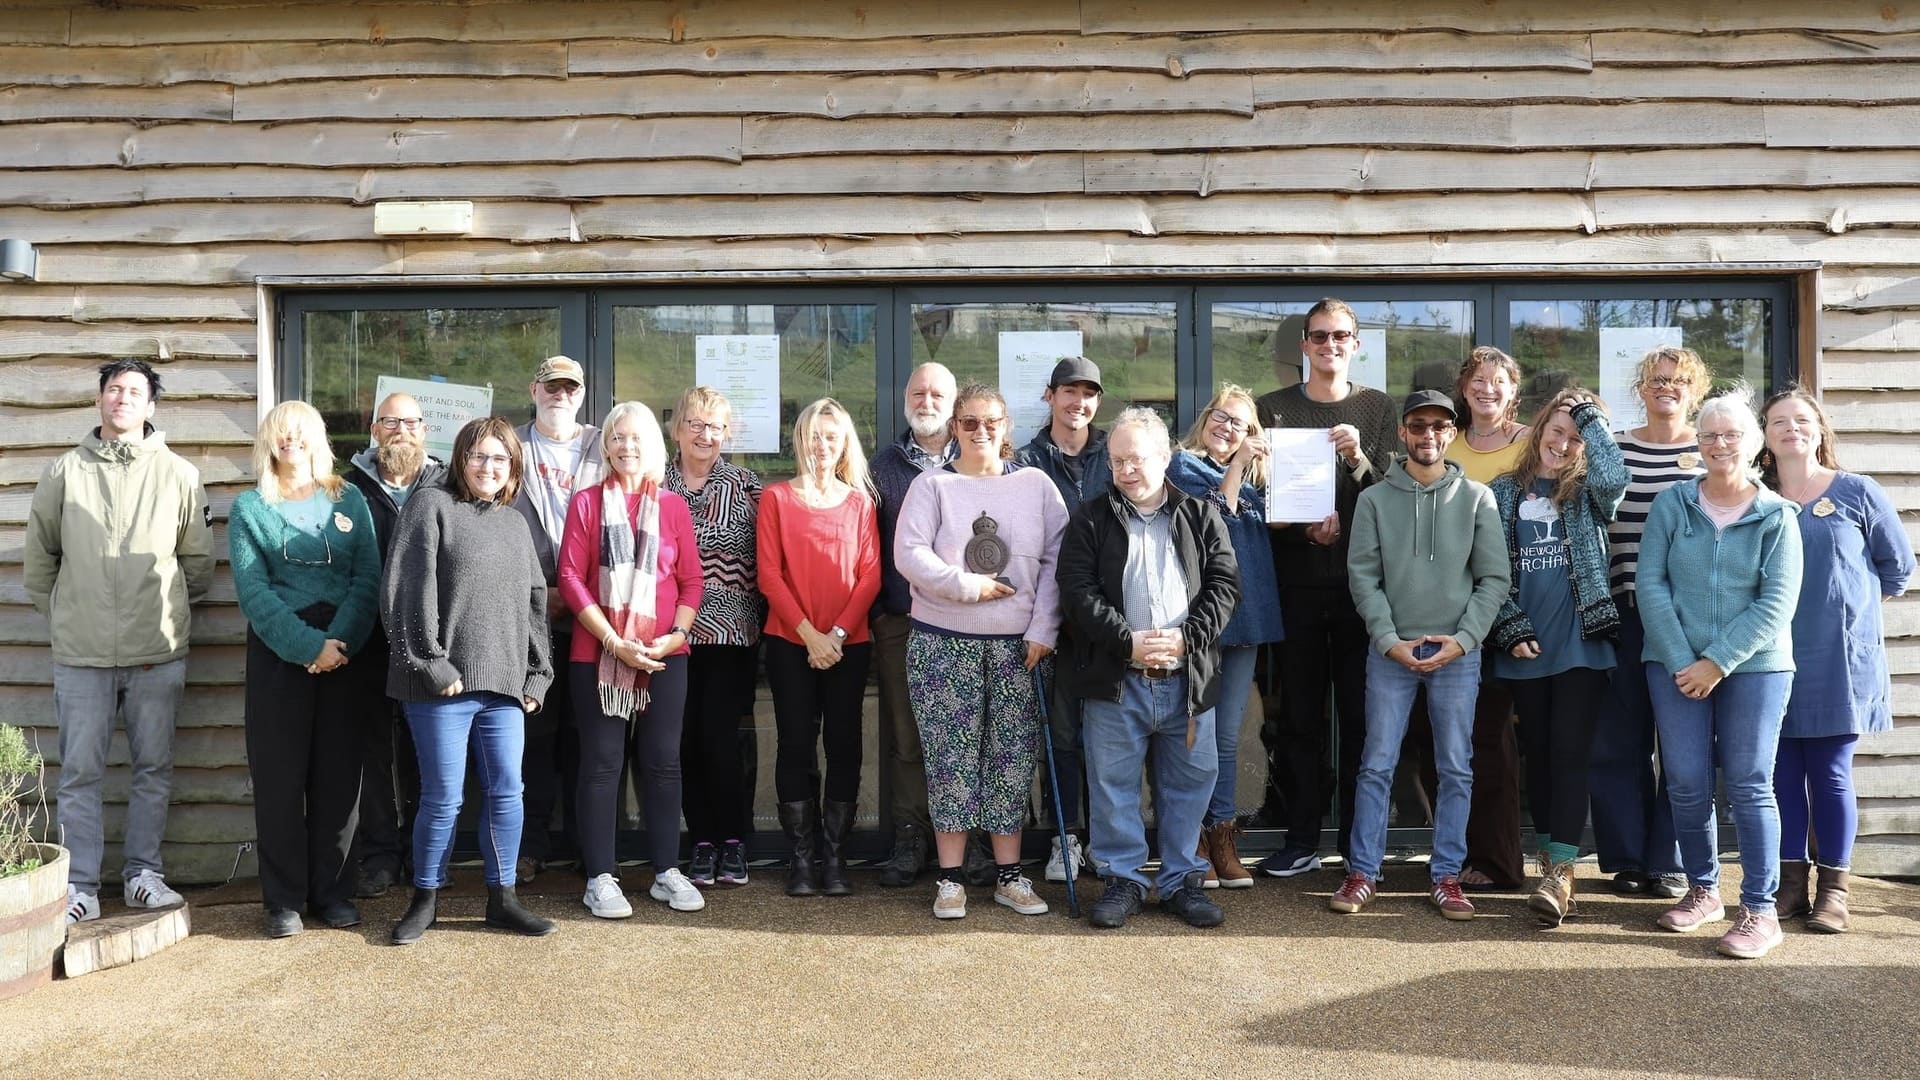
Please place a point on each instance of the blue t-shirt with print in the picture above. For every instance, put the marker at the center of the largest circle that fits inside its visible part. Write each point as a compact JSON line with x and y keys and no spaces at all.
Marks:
{"x":1546,"y":594}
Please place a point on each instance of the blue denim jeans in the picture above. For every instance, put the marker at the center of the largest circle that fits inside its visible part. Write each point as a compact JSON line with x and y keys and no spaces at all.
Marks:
{"x":1150,"y":712}
{"x":1236,"y":682}
{"x":1632,"y":820}
{"x":1737,"y":728}
{"x":85,"y":701}
{"x":495,"y":727}
{"x":1451,"y":693}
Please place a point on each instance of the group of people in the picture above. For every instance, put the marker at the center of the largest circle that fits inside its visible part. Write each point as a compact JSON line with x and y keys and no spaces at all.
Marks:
{"x":563,"y":605}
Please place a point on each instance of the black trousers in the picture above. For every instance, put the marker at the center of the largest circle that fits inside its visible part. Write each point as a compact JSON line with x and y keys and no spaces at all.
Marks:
{"x":1557,"y":718}
{"x":389,"y":770}
{"x":302,"y":756}
{"x":1325,"y":651}
{"x":603,"y":750}
{"x":714,"y":794}
{"x":817,"y":708}
{"x":549,"y":764}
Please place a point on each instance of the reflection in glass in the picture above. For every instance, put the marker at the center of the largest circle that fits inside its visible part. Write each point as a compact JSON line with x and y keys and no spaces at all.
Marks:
{"x":1558,"y":342}
{"x":1256,"y":343}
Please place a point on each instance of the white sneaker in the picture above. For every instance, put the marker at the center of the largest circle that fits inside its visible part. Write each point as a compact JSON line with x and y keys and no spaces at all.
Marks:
{"x":147,"y":889}
{"x":1056,"y":867}
{"x":82,"y":906}
{"x":1018,"y":894}
{"x":605,"y":899}
{"x":949,"y":900}
{"x":679,"y":894}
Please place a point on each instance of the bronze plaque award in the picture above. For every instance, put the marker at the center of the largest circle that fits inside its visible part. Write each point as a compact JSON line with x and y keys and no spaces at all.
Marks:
{"x":986,"y":553}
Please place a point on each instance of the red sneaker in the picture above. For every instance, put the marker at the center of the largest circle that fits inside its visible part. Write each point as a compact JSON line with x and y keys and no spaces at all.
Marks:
{"x":1353,"y":894}
{"x":1446,"y":896}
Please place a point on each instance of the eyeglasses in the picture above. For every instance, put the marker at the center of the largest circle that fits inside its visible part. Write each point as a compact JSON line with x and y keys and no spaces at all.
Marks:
{"x":1321,"y":337}
{"x":1227,"y":420}
{"x":482,"y":461}
{"x":286,"y":551}
{"x":1126,"y":464}
{"x":704,"y":427}
{"x":975,"y":423}
{"x":1421,"y":427}
{"x":561,"y":387}
{"x":1721,"y":438}
{"x":395,"y":423}
{"x":1667,"y":382}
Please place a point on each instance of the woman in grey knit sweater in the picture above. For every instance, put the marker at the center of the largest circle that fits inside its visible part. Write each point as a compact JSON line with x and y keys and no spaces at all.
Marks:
{"x":464,"y":602}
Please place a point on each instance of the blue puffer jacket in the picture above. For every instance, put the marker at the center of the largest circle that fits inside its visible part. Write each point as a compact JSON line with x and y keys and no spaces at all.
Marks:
{"x":1724,"y":595}
{"x":1586,"y":517}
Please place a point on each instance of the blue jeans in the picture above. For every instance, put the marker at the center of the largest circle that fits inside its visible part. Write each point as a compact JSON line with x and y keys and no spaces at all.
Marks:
{"x":1737,"y":728}
{"x":1632,"y":820}
{"x":495,"y":727}
{"x":1149,"y":712}
{"x":1236,"y":682}
{"x":1451,"y":693}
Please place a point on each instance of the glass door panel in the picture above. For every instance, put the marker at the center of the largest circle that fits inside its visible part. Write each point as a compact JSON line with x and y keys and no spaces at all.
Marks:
{"x":1404,"y":343}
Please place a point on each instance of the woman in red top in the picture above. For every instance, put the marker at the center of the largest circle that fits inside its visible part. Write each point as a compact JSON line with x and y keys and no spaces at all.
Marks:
{"x":819,"y":550}
{"x":630,"y":572}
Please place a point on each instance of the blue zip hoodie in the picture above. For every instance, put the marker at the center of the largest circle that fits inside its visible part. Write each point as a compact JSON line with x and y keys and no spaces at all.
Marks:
{"x":1725,"y":595}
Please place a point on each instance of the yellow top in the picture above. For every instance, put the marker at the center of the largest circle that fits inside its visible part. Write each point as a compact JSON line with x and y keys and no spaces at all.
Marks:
{"x":1484,"y":466}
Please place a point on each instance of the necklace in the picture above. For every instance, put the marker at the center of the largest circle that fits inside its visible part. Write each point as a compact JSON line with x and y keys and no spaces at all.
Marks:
{"x":1815,"y":478}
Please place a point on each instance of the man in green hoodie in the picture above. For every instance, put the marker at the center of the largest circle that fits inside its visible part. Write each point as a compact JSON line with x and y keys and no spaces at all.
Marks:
{"x":1428,"y":568}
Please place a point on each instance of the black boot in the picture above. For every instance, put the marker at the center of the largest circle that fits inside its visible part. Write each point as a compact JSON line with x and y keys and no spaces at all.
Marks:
{"x":908,"y":859}
{"x":836,"y":821}
{"x":798,"y":821}
{"x":418,"y":918}
{"x":505,"y":913}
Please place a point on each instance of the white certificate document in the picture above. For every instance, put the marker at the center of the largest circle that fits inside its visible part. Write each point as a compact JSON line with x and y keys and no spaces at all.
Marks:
{"x":746,"y":368}
{"x":1300,"y":475}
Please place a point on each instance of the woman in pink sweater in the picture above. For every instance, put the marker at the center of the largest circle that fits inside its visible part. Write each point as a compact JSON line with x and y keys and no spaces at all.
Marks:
{"x":819,"y":553}
{"x":630,"y":572}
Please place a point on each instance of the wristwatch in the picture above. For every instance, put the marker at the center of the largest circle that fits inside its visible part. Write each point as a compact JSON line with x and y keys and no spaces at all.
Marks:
{"x":839,"y":633}
{"x":685,"y":632}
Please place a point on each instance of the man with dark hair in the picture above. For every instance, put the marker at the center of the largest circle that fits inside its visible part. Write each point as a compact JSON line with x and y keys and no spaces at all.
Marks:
{"x":118,"y":545}
{"x":393,"y":466}
{"x":1326,"y":642}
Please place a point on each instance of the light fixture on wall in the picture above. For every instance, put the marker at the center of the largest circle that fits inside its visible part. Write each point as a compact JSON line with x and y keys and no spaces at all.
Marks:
{"x":423,"y":218}
{"x":19,"y":261}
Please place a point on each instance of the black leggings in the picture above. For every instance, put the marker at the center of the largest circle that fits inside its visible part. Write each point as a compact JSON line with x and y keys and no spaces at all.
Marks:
{"x":719,"y":692}
{"x":1557,"y":717}
{"x":603,"y":748}
{"x":817,"y":707}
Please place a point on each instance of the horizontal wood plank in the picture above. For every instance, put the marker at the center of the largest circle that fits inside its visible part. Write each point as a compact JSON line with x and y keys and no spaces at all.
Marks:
{"x":212,"y":421}
{"x":102,"y":303}
{"x":1511,"y":16}
{"x":1845,"y":369}
{"x":28,"y":338}
{"x":1886,"y":778}
{"x":191,"y":101}
{"x":1854,"y":411}
{"x":226,"y":222}
{"x":1881,"y":817}
{"x":1894,"y":330}
{"x":1887,"y":856}
{"x":251,"y":64}
{"x":919,"y":94}
{"x":1834,"y":211}
{"x":218,"y":465}
{"x":1900,"y":742}
{"x":325,"y":144}
{"x":66,"y":381}
{"x":1873,"y":289}
{"x":1889,"y":81}
{"x":34,"y":26}
{"x":1639,"y":48}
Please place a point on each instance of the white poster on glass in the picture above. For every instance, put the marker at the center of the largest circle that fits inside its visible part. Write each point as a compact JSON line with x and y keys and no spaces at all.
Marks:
{"x":444,"y":406}
{"x":746,"y":368}
{"x":1369,"y":364}
{"x":1621,"y":348}
{"x":1027,"y":358}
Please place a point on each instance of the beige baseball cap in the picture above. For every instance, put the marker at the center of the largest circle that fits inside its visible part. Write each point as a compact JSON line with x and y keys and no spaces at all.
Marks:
{"x":560,"y":367}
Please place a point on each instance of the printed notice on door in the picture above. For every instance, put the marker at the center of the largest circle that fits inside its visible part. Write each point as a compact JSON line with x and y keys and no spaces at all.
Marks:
{"x":746,"y":368}
{"x":444,"y":406}
{"x":1027,"y":358}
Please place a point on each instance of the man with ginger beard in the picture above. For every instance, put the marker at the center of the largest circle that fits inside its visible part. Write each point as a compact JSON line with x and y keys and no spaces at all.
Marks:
{"x":393,"y":467}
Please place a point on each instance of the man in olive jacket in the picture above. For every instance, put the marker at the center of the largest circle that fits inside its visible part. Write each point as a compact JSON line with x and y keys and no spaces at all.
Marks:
{"x":1148,"y":580}
{"x":119,"y":543}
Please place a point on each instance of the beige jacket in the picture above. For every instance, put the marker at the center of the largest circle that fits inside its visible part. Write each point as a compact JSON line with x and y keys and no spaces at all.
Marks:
{"x":119,"y":543}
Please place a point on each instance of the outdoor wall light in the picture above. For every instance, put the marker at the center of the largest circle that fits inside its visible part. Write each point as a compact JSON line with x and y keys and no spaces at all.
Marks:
{"x":422,"y":218}
{"x":19,"y":261}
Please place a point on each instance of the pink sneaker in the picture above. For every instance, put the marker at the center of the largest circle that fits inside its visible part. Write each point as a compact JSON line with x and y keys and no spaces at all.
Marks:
{"x":1699,"y":907}
{"x":1353,"y":894}
{"x":1753,"y":935}
{"x":1453,"y":903}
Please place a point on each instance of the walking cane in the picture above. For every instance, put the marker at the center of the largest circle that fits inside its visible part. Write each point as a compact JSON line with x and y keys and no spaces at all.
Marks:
{"x":1059,"y":812}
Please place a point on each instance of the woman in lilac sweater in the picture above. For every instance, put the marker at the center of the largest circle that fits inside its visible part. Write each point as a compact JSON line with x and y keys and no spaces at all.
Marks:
{"x":976,"y":542}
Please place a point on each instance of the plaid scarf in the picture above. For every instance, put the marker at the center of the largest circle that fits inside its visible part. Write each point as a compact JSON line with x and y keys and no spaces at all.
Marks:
{"x":629,"y":560}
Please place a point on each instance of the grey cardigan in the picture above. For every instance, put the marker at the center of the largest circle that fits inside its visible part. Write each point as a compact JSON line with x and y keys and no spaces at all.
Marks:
{"x":463,"y":599}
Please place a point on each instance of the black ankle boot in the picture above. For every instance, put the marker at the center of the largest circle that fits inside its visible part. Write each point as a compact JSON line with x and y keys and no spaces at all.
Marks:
{"x":504,"y":912}
{"x":419,"y":916}
{"x":797,"y":820}
{"x":836,"y":821}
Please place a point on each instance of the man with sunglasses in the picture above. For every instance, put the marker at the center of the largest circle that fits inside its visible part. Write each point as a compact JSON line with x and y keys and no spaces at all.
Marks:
{"x":1428,"y":570}
{"x":394,"y":465}
{"x":1073,"y":454}
{"x":1326,"y":642}
{"x":560,"y":456}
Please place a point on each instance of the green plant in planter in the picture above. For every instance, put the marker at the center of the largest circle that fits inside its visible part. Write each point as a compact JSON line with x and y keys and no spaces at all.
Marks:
{"x":19,"y":780}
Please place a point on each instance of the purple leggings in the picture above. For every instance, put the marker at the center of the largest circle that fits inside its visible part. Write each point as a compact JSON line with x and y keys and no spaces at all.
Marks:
{"x":1814,"y":777}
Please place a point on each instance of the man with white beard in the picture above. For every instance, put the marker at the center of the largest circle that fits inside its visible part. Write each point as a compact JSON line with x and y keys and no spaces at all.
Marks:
{"x":393,"y":466}
{"x":925,"y":446}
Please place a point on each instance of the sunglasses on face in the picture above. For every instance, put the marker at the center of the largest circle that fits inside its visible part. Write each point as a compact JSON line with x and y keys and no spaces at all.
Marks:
{"x":1321,"y":337}
{"x":1421,"y":427}
{"x":975,"y":423}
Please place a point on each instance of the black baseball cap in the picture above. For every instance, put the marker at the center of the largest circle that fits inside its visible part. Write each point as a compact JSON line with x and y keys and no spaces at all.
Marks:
{"x":1427,"y":399}
{"x":1075,"y":369}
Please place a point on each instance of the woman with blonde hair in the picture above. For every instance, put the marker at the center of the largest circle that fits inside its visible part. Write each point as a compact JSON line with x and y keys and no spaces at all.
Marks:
{"x":629,"y":570}
{"x":306,"y":570}
{"x":819,"y":569}
{"x":1223,"y":460}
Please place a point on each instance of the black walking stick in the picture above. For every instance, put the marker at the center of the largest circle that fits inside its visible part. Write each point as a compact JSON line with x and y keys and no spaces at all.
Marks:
{"x":1059,"y":812}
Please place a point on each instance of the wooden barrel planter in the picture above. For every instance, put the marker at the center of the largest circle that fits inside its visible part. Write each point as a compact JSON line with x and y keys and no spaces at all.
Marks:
{"x":33,"y":922}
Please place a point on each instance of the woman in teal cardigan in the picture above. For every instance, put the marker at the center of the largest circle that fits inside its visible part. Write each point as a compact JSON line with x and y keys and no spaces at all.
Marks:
{"x":1719,"y":579}
{"x":306,"y":568}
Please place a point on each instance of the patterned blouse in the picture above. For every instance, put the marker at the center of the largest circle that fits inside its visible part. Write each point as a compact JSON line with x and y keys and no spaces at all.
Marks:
{"x":732,"y":610}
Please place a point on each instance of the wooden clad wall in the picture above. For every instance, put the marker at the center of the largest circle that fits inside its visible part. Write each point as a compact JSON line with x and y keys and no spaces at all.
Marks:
{"x":163,"y":156}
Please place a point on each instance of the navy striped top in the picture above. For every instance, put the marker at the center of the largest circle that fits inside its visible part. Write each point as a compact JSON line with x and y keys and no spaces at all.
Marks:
{"x":1651,"y":469}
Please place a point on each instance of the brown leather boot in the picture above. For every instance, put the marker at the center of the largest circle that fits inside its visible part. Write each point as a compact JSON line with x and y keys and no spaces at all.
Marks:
{"x":1829,"y":902}
{"x":1222,"y":843}
{"x":1205,"y":851}
{"x":1791,"y":901}
{"x":1552,"y":899}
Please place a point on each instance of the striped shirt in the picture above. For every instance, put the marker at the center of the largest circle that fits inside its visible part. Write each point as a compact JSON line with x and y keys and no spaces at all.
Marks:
{"x":1651,"y":469}
{"x":724,"y":527}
